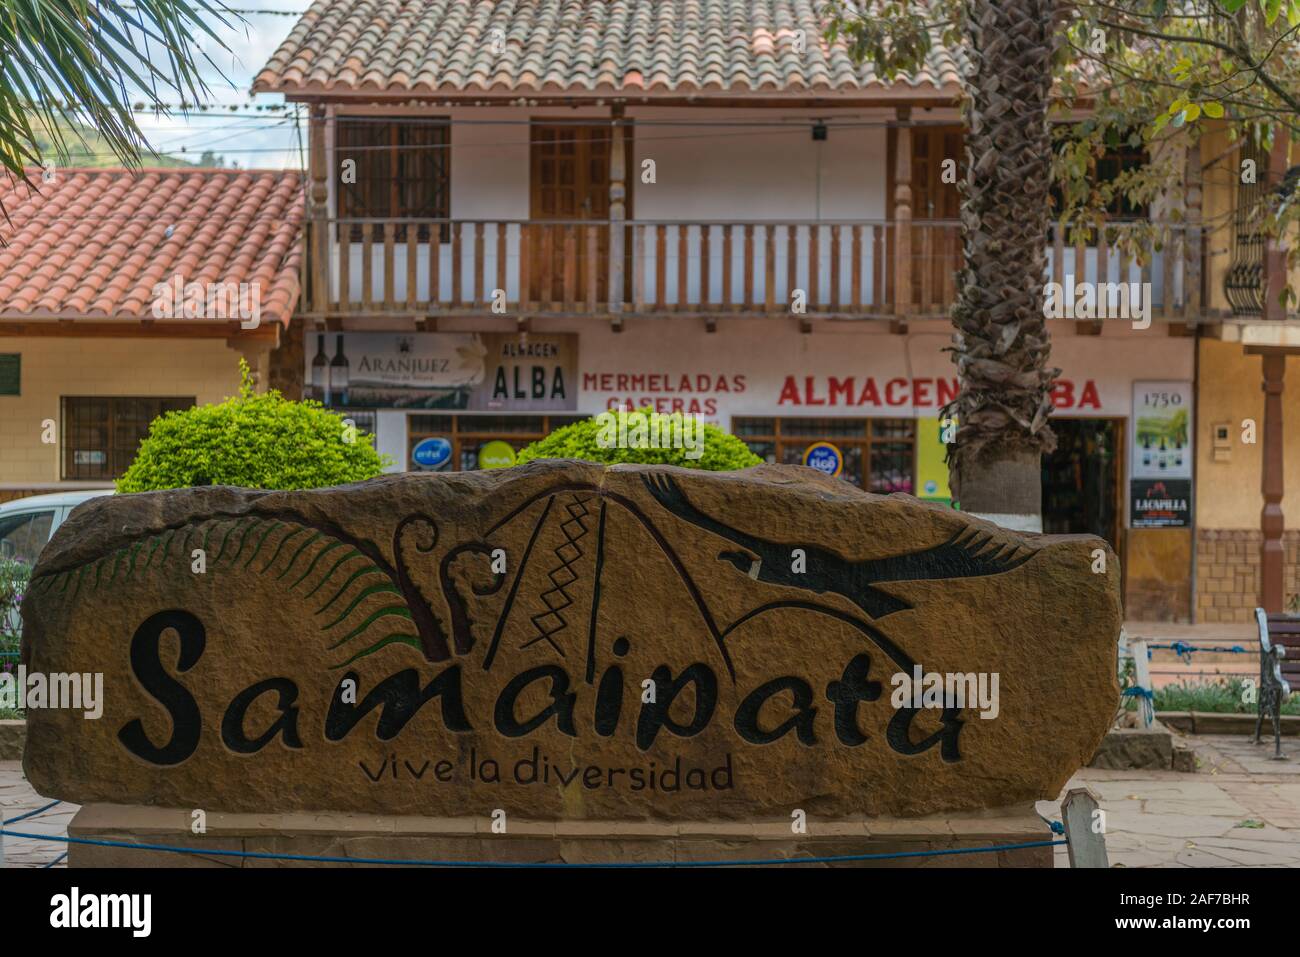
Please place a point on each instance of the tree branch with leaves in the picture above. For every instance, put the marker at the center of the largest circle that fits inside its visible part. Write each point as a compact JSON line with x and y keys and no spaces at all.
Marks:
{"x":1043,"y":109}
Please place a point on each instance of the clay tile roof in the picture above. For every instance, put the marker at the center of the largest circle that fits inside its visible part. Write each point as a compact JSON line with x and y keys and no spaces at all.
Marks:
{"x":573,"y":46}
{"x":94,"y":242}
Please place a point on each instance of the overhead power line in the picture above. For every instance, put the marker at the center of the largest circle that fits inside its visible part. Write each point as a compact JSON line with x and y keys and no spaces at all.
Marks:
{"x":269,"y":11}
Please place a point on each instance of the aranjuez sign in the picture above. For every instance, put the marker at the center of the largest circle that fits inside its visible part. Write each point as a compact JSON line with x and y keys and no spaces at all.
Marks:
{"x":562,"y":640}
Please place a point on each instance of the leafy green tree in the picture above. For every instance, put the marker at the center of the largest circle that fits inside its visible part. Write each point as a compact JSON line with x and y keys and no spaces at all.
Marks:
{"x":252,"y":440}
{"x":590,"y":441}
{"x":1147,"y":73}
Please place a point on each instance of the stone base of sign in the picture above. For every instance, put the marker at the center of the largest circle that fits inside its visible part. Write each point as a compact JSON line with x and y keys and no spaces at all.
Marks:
{"x":1125,"y":749}
{"x":390,"y":838}
{"x":13,"y":735}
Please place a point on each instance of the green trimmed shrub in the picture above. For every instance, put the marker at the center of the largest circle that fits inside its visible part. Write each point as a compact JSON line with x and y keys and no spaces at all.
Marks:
{"x":721,"y":451}
{"x":253,"y":440}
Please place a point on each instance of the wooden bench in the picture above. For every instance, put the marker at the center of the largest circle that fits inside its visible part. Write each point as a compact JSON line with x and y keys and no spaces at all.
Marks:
{"x":1279,"y":670}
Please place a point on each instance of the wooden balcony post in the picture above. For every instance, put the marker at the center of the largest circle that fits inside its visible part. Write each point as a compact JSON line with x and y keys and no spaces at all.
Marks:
{"x":903,"y":215}
{"x":1272,"y":553}
{"x":318,"y":210}
{"x":617,"y":215}
{"x":1272,"y":557}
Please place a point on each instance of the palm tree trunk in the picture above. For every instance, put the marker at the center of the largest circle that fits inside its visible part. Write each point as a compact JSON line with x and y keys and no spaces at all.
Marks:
{"x":1001,"y":345}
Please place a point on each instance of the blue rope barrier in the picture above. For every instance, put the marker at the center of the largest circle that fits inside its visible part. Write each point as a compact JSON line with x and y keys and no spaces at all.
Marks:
{"x":1183,"y":650}
{"x":23,"y":817}
{"x":46,"y":867}
{"x":542,"y":865}
{"x":1146,"y":700}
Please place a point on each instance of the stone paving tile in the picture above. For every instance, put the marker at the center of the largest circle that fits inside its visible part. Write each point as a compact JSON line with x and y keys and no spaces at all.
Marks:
{"x":1227,"y":750}
{"x":1168,"y":825}
{"x":1169,"y":819}
{"x":1147,"y":785}
{"x":17,"y":797}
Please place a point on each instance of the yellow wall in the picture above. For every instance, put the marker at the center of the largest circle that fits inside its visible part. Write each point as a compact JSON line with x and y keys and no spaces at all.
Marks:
{"x":1218,"y":196}
{"x":54,"y":366}
{"x":1227,"y":493}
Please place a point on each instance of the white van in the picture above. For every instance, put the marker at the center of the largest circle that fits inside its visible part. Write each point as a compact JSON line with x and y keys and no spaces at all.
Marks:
{"x":26,"y":524}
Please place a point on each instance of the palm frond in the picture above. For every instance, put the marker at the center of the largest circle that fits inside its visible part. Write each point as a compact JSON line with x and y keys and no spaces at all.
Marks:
{"x":65,"y":64}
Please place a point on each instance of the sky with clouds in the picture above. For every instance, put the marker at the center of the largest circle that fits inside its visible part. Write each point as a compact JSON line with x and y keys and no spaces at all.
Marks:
{"x":245,"y":137}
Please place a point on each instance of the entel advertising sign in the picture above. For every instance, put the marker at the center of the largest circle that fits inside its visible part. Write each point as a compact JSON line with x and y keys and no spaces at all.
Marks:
{"x":767,"y":368}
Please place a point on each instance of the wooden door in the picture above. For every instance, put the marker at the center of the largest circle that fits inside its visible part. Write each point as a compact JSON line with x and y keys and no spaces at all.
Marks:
{"x":937,"y":249}
{"x":569,"y":182}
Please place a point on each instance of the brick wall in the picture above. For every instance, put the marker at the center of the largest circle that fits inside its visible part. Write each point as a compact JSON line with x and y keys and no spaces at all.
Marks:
{"x":1227,"y":572}
{"x":286,"y":366}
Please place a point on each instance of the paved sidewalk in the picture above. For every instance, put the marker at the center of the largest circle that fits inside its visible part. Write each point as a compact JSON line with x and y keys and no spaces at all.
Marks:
{"x":17,"y":797}
{"x":1239,"y":809}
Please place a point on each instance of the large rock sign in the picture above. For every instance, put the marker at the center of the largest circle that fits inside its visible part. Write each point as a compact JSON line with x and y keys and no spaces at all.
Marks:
{"x":565,"y":641}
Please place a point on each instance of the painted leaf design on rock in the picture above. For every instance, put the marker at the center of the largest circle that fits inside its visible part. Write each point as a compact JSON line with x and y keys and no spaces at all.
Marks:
{"x":357,"y":605}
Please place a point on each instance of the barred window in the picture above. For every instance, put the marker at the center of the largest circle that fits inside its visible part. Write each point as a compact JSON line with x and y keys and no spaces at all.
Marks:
{"x":403,"y":171}
{"x":101,"y":434}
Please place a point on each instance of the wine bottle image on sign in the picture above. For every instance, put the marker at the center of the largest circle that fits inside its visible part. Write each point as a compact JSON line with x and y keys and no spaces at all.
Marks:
{"x":339,"y":375}
{"x":318,"y":388}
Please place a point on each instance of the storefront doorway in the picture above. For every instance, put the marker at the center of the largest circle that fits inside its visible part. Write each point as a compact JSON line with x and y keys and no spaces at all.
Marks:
{"x":1082,"y":486}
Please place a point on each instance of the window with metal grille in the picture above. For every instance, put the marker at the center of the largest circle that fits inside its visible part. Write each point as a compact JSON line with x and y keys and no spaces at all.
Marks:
{"x":403,"y":171}
{"x":879,"y":454}
{"x":101,"y":434}
{"x":1119,"y":158}
{"x":1116,"y":161}
{"x":1243,"y":280}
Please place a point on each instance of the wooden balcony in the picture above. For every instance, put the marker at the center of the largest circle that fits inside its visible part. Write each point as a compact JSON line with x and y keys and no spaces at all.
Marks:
{"x":417,"y":268}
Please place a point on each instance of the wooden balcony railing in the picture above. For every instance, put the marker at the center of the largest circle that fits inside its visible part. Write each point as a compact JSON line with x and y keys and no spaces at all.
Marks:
{"x":1167,"y":258}
{"x":850,"y":269}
